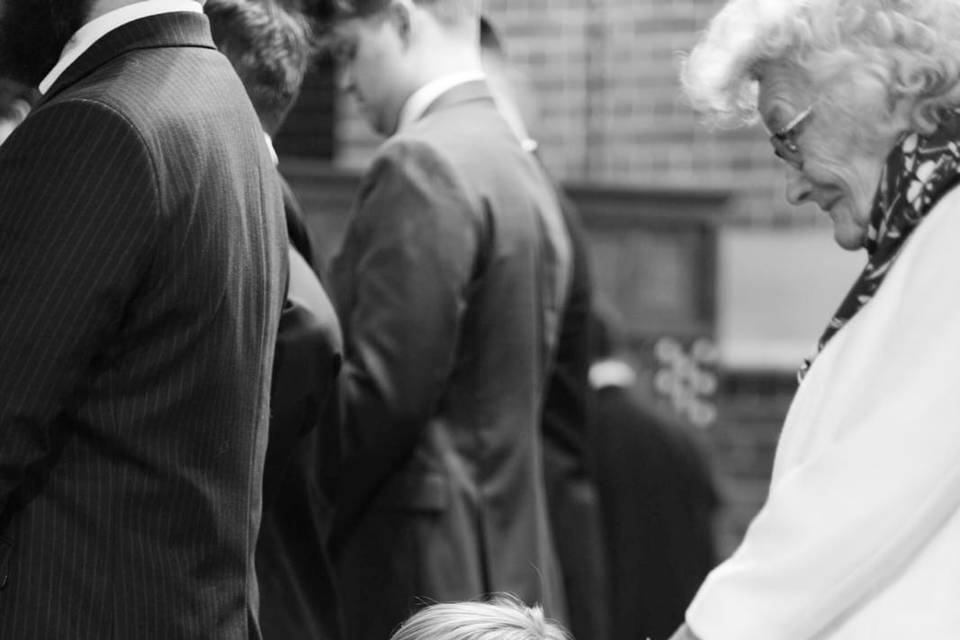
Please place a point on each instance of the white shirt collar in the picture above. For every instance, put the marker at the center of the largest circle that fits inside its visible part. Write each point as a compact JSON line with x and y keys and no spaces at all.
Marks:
{"x":418,"y":103}
{"x":271,"y":149}
{"x":89,"y":33}
{"x":612,"y":373}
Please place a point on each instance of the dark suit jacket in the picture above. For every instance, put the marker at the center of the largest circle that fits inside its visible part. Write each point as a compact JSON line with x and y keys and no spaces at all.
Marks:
{"x":297,"y":229}
{"x":297,"y":593}
{"x":142,"y":262}
{"x":307,"y":361}
{"x":658,"y":501}
{"x":571,"y":492}
{"x":445,"y":303}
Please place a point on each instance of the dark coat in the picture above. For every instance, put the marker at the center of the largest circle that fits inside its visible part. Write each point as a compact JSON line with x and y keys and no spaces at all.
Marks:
{"x":142,"y":262}
{"x":297,"y":228}
{"x":446,"y":292}
{"x":309,"y":352}
{"x":658,"y":501}
{"x":567,"y":421}
{"x":298,"y":598}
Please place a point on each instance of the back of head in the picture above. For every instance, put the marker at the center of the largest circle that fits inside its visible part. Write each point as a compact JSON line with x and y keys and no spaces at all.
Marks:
{"x":270,"y":49}
{"x":503,"y":618}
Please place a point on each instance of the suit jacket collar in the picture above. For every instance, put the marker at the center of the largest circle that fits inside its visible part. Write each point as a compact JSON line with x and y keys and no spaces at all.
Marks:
{"x":182,"y":29}
{"x":473,"y":91}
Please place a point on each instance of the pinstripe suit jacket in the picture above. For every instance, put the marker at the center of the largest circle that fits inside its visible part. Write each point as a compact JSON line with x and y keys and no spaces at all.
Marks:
{"x":142,"y":262}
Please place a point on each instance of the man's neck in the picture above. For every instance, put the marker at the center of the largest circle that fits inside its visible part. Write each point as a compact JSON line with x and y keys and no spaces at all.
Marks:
{"x":419,"y":102}
{"x":447,"y":64}
{"x":443,"y":64}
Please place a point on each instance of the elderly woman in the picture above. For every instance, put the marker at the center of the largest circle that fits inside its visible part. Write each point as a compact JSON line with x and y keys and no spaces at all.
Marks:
{"x":860,"y":535}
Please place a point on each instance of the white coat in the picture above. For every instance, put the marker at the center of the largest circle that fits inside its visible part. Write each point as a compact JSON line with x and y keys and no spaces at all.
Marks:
{"x":860,"y":536}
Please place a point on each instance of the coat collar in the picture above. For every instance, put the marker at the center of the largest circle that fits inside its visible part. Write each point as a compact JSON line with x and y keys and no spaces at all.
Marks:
{"x":182,"y":29}
{"x":473,"y":91}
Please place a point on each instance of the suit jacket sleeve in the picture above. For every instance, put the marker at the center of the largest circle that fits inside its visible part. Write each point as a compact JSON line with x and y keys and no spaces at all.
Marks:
{"x":848,"y":516}
{"x":566,"y":416}
{"x":402,"y":281}
{"x":73,"y":237}
{"x":297,"y":230}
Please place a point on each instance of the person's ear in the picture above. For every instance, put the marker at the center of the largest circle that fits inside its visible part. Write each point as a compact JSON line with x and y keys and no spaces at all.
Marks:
{"x":400,"y":15}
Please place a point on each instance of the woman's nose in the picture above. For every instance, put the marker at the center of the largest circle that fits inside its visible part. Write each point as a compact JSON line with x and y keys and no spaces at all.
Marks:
{"x":799,"y":188}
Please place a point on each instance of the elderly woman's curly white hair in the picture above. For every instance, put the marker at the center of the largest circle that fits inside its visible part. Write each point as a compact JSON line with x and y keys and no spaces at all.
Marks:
{"x":908,"y":49}
{"x":502,"y":618}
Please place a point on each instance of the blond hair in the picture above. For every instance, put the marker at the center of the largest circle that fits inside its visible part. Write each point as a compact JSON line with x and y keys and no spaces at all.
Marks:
{"x":501,"y":618}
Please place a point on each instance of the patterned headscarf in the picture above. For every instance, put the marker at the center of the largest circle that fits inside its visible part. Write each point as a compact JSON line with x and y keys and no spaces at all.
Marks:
{"x":918,"y":172}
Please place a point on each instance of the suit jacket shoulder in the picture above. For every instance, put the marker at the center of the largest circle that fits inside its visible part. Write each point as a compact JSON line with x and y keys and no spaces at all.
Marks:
{"x":138,"y":322}
{"x":426,"y":166}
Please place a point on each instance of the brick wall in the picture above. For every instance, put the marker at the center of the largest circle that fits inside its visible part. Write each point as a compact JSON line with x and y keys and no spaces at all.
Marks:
{"x":605,"y":75}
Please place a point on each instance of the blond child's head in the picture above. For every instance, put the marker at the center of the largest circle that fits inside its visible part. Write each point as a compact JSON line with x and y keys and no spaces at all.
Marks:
{"x":501,"y":618}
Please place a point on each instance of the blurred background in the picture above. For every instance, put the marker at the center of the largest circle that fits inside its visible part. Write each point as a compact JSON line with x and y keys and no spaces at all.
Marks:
{"x":722,"y":287}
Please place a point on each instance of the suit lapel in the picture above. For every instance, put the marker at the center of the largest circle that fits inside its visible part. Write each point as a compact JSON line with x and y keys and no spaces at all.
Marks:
{"x":182,"y":29}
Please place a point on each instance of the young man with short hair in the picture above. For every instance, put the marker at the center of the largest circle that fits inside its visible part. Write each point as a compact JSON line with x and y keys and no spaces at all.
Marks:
{"x":450,"y":284}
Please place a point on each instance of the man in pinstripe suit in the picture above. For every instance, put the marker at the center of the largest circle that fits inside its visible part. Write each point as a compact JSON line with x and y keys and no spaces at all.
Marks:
{"x":142,"y":270}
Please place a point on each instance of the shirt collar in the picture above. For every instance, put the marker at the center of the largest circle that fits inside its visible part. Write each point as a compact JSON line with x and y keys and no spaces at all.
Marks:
{"x":92,"y":31}
{"x":418,"y":103}
{"x":612,"y":373}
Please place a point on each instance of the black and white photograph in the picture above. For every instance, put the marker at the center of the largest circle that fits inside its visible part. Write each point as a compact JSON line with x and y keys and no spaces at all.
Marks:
{"x":479,"y":319}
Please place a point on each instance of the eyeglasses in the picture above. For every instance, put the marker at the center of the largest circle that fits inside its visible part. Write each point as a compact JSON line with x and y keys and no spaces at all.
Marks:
{"x":784,"y":140}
